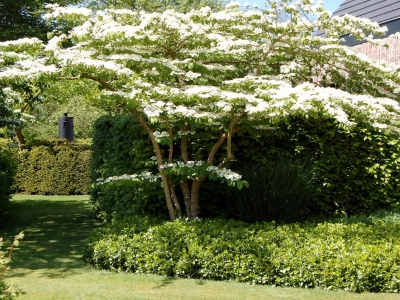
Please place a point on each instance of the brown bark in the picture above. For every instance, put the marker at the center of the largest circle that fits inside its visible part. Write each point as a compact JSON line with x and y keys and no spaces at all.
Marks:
{"x":186,"y":195}
{"x":194,"y":197}
{"x":185,"y":157}
{"x":18,"y":132}
{"x":229,"y":134}
{"x":157,"y":151}
{"x":175,"y":200}
{"x":20,"y":137}
{"x":215,"y":148}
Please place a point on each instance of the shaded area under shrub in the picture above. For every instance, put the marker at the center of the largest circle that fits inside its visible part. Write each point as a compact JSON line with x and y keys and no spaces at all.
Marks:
{"x":343,"y":255}
{"x":279,"y":190}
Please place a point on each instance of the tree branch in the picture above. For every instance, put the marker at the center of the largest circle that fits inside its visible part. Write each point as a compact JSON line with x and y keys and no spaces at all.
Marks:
{"x":215,"y":148}
{"x":82,"y":76}
{"x":229,"y":155}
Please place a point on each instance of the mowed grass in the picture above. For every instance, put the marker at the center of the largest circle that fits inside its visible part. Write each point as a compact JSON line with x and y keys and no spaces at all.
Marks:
{"x":48,"y":263}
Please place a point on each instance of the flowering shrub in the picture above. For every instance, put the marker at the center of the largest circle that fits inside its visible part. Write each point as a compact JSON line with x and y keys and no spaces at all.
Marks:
{"x":211,"y":75}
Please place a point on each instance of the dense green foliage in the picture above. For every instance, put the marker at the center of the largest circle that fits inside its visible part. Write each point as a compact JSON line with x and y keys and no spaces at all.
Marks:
{"x":353,"y":254}
{"x":45,"y":123}
{"x":56,"y":168}
{"x":157,"y":5}
{"x":280,"y":190}
{"x":8,"y":291}
{"x":357,"y":169}
{"x":7,"y":173}
{"x":7,"y":115}
{"x":23,"y":18}
{"x":120,"y":146}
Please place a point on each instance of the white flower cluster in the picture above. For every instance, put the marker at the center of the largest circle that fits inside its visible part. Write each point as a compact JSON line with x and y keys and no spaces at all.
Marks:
{"x":160,"y":135}
{"x":61,"y":11}
{"x":181,"y":164}
{"x":11,"y":96}
{"x":184,"y":133}
{"x":191,"y":75}
{"x":225,"y":173}
{"x":27,"y":69}
{"x":146,"y":176}
{"x":23,"y":41}
{"x":122,"y":45}
{"x":220,"y":172}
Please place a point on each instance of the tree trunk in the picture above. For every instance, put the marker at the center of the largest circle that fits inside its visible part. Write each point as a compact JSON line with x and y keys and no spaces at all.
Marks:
{"x":175,"y":201}
{"x":167,"y":195}
{"x":186,"y":195}
{"x":20,"y":137}
{"x":194,"y":198}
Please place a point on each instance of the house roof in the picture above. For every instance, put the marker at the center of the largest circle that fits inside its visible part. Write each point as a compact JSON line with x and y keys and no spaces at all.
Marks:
{"x":381,"y":11}
{"x":384,"y":12}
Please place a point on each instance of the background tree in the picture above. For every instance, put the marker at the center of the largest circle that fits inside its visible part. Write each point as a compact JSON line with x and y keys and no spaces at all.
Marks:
{"x":194,"y":80}
{"x":156,"y":5}
{"x":78,"y":99}
{"x":20,"y":19}
{"x":23,"y":18}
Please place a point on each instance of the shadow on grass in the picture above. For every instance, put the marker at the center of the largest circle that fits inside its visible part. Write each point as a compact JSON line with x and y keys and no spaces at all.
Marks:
{"x":55,"y":235}
{"x":166,"y":281}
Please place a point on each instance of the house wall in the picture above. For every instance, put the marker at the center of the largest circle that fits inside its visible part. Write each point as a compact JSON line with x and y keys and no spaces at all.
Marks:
{"x":381,"y":53}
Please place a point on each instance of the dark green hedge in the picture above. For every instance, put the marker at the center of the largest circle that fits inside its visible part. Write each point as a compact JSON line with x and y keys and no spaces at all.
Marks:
{"x":56,"y":168}
{"x":357,"y":170}
{"x":8,"y":168}
{"x":120,"y":146}
{"x":359,"y":255}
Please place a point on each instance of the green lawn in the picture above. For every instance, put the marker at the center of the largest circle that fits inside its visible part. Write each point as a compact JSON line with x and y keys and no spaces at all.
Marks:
{"x":48,"y":263}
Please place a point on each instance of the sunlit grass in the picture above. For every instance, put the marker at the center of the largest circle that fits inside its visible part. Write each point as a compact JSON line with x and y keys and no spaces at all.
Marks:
{"x":48,"y":263}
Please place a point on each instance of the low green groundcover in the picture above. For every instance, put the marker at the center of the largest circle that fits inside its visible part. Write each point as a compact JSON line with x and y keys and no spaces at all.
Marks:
{"x":359,"y":255}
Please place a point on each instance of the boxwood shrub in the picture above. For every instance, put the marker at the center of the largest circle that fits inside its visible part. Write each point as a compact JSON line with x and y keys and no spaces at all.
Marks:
{"x":358,"y":255}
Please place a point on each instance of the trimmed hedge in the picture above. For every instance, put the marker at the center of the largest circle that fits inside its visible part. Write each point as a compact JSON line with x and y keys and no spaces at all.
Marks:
{"x":349,"y":255}
{"x":357,"y":170}
{"x":121,"y":146}
{"x":58,"y":168}
{"x":7,"y":172}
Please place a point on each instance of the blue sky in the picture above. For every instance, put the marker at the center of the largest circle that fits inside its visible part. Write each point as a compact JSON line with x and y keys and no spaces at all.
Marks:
{"x":330,"y":5}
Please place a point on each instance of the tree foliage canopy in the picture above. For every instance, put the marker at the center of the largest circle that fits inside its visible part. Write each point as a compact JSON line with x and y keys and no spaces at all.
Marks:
{"x":206,"y":75}
{"x":156,"y":5}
